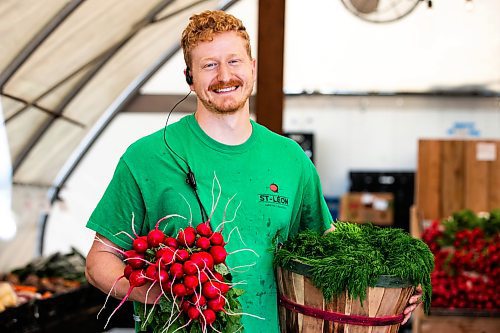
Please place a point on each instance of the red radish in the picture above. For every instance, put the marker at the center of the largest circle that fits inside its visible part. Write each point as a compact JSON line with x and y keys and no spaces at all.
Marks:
{"x":209,"y":315}
{"x":187,"y":238}
{"x":210,"y":289}
{"x":182,"y":255}
{"x":167,"y":285}
{"x":140,"y":245}
{"x":199,"y":299}
{"x":168,"y":256}
{"x":204,"y":229}
{"x":155,"y":237}
{"x":136,"y":279}
{"x":176,"y":270}
{"x":193,"y":313}
{"x":197,"y":260}
{"x":203,"y":277}
{"x":189,"y":291}
{"x":171,"y":241}
{"x":190,"y":267}
{"x":159,"y":253}
{"x":217,"y":304}
{"x":191,"y":281}
{"x":162,"y":276}
{"x":218,"y":253}
{"x":127,"y":271}
{"x":134,"y":259}
{"x":224,"y":287}
{"x":218,"y":277}
{"x":202,"y":260}
{"x":152,"y":272}
{"x":185,"y":306}
{"x":203,"y":243}
{"x":217,"y":239}
{"x":179,"y":290}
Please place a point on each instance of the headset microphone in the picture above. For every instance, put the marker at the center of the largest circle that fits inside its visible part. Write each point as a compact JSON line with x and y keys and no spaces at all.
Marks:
{"x":190,"y":178}
{"x":189,"y":76}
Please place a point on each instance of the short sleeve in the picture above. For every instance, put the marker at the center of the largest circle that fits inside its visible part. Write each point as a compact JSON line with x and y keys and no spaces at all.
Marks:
{"x":113,"y":213}
{"x":314,"y":214}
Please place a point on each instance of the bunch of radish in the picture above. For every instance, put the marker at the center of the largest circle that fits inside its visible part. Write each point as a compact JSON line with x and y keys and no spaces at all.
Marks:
{"x":189,"y":268}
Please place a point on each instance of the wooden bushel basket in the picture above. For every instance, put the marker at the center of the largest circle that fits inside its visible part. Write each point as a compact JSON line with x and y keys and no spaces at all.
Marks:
{"x":303,"y":309}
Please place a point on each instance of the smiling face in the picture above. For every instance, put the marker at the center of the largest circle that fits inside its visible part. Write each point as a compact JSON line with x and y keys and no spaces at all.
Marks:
{"x":223,"y":73}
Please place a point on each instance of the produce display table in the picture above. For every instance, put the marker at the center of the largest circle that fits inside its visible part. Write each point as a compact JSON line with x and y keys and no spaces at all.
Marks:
{"x":455,"y":321}
{"x":76,"y":309}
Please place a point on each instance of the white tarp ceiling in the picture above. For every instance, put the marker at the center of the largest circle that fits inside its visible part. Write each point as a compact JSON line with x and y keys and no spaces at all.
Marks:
{"x":63,"y":63}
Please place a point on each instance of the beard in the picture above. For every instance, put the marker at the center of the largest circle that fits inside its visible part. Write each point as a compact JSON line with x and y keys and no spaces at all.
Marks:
{"x":228,"y":106}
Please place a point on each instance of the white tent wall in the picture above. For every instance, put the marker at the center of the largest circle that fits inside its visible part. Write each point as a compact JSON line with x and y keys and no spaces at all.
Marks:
{"x":381,"y":133}
{"x":82,"y":191}
{"x":28,"y":203}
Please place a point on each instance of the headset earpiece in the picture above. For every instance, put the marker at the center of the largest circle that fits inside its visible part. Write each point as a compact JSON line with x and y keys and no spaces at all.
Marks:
{"x":189,"y":77}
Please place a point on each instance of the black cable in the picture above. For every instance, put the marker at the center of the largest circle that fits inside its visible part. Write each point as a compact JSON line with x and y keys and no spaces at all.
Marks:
{"x":165,"y":129}
{"x":190,"y":178}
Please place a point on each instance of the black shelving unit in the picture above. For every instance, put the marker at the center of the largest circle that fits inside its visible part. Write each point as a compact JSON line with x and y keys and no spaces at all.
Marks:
{"x":400,"y":183}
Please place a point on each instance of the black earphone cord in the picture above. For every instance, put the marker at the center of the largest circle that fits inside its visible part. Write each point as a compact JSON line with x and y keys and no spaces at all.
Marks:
{"x":190,"y":178}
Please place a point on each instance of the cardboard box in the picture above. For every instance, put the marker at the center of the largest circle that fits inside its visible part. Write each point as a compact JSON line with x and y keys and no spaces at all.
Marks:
{"x":363,"y":207}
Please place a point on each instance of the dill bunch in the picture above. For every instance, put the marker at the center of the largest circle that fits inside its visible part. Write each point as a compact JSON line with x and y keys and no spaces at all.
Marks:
{"x":354,"y":256}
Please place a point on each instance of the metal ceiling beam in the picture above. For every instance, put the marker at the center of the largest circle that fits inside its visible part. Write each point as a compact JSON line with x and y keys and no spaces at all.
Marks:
{"x":98,"y":61}
{"x":51,"y":89}
{"x":166,"y":17}
{"x":30,"y":48}
{"x":39,"y":107}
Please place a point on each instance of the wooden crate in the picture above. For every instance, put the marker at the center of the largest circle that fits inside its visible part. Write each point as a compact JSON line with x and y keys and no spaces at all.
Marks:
{"x":457,"y":174}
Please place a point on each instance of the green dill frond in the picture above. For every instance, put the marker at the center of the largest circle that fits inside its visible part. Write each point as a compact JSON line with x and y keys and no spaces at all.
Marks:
{"x":354,"y":256}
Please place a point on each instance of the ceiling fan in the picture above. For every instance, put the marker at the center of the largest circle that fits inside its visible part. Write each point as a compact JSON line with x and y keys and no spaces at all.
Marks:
{"x":381,"y":11}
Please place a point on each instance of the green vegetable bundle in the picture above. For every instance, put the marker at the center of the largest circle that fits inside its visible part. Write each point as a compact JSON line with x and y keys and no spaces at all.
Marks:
{"x":354,"y":256}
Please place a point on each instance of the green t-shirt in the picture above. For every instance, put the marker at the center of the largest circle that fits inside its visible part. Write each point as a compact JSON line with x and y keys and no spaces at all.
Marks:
{"x":261,"y":187}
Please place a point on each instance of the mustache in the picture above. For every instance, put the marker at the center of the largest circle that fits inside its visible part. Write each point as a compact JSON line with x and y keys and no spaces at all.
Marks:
{"x":227,"y":84}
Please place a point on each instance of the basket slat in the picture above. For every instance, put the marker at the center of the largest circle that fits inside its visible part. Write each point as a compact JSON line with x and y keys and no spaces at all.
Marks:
{"x":380,"y":302}
{"x":313,"y":297}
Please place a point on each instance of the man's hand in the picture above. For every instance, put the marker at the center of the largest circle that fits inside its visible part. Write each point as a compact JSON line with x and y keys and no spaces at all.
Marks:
{"x":414,"y":301}
{"x":332,"y":228}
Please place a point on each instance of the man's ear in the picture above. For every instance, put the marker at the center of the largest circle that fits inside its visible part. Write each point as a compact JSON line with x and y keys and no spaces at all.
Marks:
{"x":254,"y":69}
{"x":189,"y":76}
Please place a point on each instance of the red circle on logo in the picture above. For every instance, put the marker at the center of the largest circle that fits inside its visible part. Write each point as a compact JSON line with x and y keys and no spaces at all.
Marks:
{"x":273,"y":187}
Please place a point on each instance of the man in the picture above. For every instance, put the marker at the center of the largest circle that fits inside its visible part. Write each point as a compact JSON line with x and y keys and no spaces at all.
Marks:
{"x":257,"y":182}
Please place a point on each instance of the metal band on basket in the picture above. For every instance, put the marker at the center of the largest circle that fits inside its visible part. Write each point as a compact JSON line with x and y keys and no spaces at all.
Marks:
{"x":340,"y":317}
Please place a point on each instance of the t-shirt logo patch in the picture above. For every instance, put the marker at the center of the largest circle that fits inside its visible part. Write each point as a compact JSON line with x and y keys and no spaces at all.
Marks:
{"x":272,"y":198}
